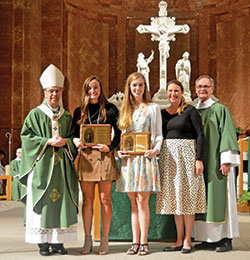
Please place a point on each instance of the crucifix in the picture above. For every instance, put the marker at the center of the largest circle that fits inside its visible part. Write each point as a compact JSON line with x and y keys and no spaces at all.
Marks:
{"x":163,"y":29}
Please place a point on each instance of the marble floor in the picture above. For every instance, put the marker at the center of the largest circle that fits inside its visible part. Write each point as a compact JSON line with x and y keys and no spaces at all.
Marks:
{"x":12,"y":245}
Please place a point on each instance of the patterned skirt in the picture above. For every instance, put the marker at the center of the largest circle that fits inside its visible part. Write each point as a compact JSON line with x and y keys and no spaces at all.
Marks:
{"x":138,"y":174}
{"x":182,"y":191}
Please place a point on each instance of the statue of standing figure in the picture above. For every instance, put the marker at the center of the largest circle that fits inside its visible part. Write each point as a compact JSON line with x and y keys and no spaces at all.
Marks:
{"x":143,"y":67}
{"x":183,"y":74}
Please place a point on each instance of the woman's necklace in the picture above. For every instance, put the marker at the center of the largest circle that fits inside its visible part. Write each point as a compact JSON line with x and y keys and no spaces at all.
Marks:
{"x":98,"y":118}
{"x":139,"y":106}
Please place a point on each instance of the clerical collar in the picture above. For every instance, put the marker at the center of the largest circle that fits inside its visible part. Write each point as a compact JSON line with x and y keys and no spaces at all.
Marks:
{"x":205,"y":104}
{"x":54,"y":110}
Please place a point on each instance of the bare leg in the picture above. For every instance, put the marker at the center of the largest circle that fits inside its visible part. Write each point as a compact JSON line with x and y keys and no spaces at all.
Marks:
{"x":144,"y":220}
{"x":88,"y":192}
{"x":134,"y":218}
{"x":144,"y":215}
{"x":179,"y":221}
{"x":105,"y":189}
{"x":189,"y":222}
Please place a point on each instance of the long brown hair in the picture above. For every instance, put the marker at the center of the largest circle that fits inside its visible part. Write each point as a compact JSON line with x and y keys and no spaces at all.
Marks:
{"x":183,"y":103}
{"x":86,"y":100}
{"x":126,"y":111}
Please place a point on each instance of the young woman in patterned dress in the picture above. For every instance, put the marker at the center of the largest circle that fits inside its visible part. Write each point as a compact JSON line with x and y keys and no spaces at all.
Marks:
{"x":182,"y":184}
{"x":139,"y":175}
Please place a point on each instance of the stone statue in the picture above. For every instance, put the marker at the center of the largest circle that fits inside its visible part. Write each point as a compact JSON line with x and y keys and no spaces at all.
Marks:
{"x":117,"y":99}
{"x":183,"y":74}
{"x":142,"y":65}
{"x":163,"y":30}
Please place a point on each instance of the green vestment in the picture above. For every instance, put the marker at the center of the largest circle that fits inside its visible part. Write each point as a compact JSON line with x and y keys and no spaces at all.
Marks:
{"x":15,"y":184}
{"x":220,"y":136}
{"x":55,"y":182}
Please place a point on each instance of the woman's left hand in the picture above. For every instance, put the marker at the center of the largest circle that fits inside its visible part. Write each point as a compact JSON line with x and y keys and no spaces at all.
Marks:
{"x":199,"y":167}
{"x":102,"y":148}
{"x":151,"y":153}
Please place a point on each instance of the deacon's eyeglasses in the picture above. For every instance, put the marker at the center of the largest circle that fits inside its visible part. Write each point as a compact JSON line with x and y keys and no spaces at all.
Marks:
{"x":203,"y":86}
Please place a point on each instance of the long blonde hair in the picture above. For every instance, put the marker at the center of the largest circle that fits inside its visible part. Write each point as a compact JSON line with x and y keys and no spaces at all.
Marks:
{"x":86,"y":100}
{"x":126,"y":111}
{"x":183,"y":103}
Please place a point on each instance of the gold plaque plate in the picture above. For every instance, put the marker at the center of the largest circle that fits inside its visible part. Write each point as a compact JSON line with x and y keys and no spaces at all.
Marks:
{"x":135,"y":143}
{"x":93,"y":134}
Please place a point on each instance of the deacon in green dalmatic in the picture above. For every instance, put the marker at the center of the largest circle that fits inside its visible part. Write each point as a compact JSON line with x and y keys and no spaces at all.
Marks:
{"x":15,"y":166}
{"x":48,"y":171}
{"x":219,"y":226}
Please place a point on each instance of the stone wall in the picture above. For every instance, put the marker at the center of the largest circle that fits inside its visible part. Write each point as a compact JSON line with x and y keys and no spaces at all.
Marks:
{"x":85,"y":37}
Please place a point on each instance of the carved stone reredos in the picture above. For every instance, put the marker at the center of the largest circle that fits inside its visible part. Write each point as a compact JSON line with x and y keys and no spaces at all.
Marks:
{"x":117,"y":99}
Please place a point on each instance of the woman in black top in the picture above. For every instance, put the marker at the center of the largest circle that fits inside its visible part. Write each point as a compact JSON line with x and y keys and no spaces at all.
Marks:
{"x":96,"y":164}
{"x":182,"y":184}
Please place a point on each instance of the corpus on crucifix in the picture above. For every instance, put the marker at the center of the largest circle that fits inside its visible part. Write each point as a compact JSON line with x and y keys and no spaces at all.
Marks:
{"x":163,"y":29}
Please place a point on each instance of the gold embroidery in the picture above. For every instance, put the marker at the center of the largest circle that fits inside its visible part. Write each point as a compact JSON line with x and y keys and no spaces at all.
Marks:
{"x":55,"y":117}
{"x":54,"y":195}
{"x":57,"y":158}
{"x":59,"y":125}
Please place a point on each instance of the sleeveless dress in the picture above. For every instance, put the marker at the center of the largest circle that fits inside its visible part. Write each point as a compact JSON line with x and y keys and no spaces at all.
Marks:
{"x":138,"y":174}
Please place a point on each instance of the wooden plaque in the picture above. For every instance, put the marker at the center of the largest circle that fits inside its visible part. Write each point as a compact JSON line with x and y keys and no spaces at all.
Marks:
{"x":135,"y":143}
{"x":93,"y":134}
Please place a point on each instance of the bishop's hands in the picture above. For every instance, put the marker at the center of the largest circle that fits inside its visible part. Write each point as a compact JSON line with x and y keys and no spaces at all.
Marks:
{"x":57,"y":141}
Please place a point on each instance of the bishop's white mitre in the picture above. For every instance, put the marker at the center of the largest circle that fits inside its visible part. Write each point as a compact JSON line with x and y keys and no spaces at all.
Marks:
{"x":52,"y":77}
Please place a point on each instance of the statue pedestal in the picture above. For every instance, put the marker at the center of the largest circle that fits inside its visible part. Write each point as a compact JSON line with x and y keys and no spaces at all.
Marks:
{"x":161,"y":99}
{"x":188,"y":98}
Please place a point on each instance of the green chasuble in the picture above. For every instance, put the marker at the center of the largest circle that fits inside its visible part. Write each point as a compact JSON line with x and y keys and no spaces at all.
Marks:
{"x":220,"y":136}
{"x":55,"y":182}
{"x":16,"y":186}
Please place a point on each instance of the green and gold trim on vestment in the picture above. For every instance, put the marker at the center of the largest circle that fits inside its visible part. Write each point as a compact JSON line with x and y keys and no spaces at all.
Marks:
{"x":72,"y":197}
{"x":48,"y":182}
